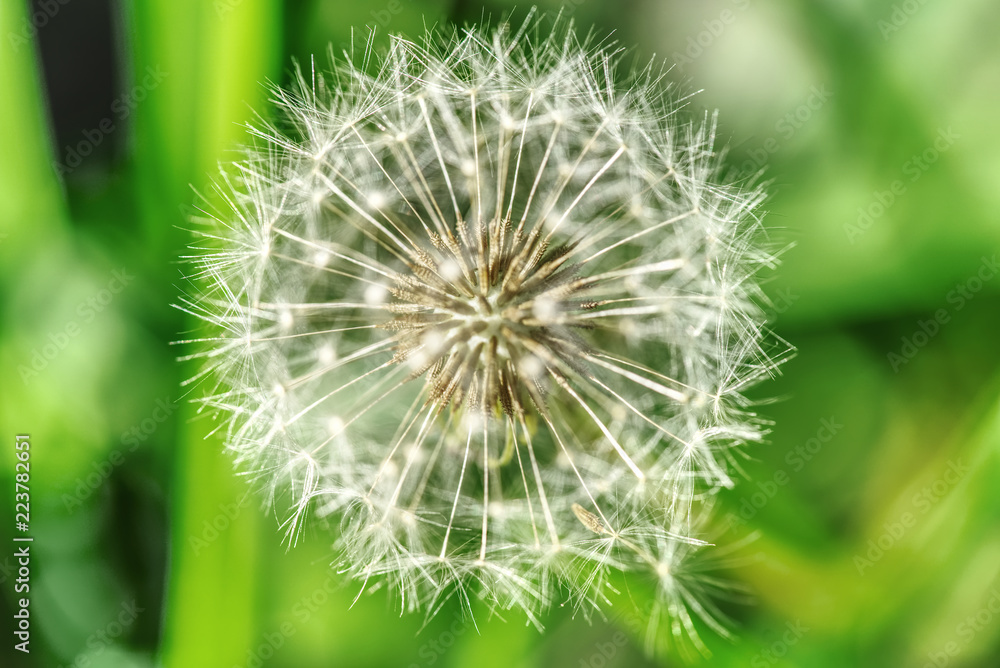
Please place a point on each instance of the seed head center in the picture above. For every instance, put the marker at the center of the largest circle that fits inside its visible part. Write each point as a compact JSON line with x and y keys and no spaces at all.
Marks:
{"x":487,"y":319}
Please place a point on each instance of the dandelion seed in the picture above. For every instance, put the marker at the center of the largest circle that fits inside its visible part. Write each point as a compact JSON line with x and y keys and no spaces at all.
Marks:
{"x":589,"y":519}
{"x":492,"y":310}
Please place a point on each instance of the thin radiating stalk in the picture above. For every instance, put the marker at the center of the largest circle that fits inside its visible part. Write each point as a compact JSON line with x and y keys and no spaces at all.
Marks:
{"x":212,"y":55}
{"x":496,"y":308}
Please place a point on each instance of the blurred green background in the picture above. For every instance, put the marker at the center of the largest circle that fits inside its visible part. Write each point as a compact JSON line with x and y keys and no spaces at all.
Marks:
{"x":875,"y":504}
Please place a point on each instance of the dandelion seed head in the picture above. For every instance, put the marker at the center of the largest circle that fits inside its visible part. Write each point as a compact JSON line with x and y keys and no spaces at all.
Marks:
{"x":487,"y":303}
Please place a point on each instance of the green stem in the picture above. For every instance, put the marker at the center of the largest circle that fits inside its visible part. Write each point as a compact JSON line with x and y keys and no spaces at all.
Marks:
{"x":32,"y":207}
{"x":202,"y":63}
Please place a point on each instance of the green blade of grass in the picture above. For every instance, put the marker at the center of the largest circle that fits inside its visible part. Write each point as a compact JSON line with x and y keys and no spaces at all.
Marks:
{"x":210,"y":59}
{"x":32,"y":206}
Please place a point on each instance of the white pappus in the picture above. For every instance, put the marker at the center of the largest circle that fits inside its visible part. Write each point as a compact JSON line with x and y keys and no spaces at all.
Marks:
{"x":484,"y":302}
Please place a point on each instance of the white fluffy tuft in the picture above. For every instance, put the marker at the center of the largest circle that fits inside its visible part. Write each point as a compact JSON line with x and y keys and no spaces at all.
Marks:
{"x":491,"y":309}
